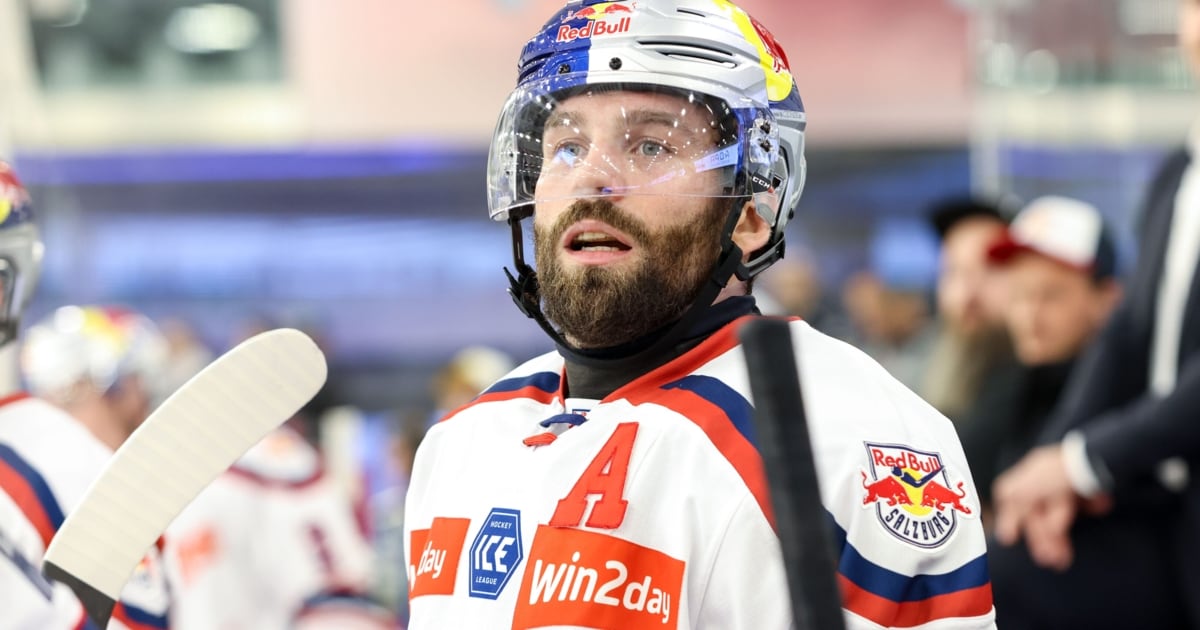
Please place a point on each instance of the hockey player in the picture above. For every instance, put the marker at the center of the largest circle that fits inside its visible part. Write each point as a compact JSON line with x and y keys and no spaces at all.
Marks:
{"x":271,"y":544}
{"x":47,"y":461}
{"x":657,"y":147}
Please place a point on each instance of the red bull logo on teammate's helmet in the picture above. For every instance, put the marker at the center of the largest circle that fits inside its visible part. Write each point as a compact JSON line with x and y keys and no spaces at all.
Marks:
{"x":604,"y":18}
{"x":911,"y":492}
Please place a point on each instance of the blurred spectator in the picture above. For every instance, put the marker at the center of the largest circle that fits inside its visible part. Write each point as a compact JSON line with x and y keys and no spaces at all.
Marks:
{"x":1061,"y":263}
{"x":792,"y":287}
{"x":889,"y":305}
{"x":891,"y":325}
{"x":1128,"y":419}
{"x":387,"y":507}
{"x":972,"y":357}
{"x":467,"y":374}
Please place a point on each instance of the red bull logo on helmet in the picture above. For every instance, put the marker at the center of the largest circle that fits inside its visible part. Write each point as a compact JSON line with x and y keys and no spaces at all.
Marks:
{"x":604,"y":18}
{"x":912,"y":494}
{"x":12,"y":193}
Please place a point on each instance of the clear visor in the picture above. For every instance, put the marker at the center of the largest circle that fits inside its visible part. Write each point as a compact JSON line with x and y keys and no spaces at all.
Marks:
{"x":623,"y":140}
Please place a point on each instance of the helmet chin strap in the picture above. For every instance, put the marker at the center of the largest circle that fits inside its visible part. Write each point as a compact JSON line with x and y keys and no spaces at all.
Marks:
{"x":524,"y":291}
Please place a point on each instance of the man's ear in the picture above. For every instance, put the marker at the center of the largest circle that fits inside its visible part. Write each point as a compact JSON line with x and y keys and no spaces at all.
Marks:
{"x":751,"y":232}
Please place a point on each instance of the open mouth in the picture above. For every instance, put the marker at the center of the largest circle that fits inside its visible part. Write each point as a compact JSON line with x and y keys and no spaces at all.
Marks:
{"x":596,"y":242}
{"x":590,"y":236}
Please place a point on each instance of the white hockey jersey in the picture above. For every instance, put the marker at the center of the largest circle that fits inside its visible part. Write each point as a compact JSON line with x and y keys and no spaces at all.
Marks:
{"x":47,"y":462}
{"x":28,"y":601}
{"x":654,"y":511}
{"x":271,"y":544}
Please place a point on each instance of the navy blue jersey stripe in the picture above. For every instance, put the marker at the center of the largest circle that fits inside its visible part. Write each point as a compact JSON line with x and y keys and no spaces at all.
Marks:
{"x":898,"y":587}
{"x":735,"y":406}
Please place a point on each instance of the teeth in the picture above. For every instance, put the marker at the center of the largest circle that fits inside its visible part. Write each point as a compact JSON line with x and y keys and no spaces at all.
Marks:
{"x":601,"y":248}
{"x":593,"y":236}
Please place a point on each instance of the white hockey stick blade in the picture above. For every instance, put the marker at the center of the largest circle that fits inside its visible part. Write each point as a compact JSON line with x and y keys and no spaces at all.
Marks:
{"x":194,"y":436}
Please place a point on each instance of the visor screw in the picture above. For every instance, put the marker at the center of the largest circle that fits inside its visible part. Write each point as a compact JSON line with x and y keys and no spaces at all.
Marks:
{"x":614,"y":63}
{"x":564,"y":68}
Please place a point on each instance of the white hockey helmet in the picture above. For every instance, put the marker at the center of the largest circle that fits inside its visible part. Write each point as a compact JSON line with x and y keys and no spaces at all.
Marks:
{"x":20,"y":252}
{"x":733,"y":79}
{"x":94,"y":344}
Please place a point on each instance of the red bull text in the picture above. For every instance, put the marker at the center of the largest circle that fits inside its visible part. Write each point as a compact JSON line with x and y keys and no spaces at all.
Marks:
{"x":598,"y":21}
{"x":594,"y":28}
{"x":911,"y":493}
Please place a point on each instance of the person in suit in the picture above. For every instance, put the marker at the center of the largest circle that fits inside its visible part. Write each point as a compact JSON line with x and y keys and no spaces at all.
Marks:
{"x":1127,"y":426}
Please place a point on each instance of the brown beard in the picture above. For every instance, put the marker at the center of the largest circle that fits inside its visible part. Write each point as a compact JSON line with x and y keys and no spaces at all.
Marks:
{"x":599,"y":308}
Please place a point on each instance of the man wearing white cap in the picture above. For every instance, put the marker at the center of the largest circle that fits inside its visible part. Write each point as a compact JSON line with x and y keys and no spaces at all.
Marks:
{"x":1060,"y":265}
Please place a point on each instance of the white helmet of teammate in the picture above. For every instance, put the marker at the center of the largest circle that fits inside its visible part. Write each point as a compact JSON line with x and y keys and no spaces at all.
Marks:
{"x":95,"y":345}
{"x":20,"y":252}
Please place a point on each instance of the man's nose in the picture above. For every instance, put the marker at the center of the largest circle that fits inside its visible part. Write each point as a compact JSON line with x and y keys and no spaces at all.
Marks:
{"x":601,"y":172}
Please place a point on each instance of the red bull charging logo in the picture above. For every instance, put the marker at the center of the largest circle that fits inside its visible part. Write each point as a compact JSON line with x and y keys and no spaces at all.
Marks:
{"x":912,"y":494}
{"x":604,"y":18}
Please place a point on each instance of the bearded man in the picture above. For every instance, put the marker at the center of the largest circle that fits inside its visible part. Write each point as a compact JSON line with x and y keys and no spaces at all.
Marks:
{"x":658,"y":148}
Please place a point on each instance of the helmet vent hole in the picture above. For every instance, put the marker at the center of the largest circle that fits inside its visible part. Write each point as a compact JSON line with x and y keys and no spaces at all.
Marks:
{"x":691,"y":52}
{"x":691,"y":12}
{"x":701,"y":59}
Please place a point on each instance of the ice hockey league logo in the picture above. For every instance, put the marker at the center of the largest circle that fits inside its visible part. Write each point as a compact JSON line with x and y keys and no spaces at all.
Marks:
{"x":911,"y":492}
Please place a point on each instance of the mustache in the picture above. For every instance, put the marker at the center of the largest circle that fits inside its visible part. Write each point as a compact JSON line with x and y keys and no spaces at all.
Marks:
{"x":600,"y":210}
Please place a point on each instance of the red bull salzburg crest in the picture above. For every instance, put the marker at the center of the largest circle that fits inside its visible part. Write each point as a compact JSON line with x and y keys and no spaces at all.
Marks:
{"x":911,"y":492}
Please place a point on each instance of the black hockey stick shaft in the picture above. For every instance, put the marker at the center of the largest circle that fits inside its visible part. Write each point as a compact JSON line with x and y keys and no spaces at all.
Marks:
{"x":782,"y":436}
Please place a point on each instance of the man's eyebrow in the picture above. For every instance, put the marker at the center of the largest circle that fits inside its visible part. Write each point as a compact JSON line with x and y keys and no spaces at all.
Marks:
{"x":651,"y":117}
{"x":562,"y":118}
{"x":633,"y":118}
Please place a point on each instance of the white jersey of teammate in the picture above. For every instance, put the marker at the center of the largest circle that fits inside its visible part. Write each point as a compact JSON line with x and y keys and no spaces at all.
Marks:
{"x":271,"y":544}
{"x":47,"y":462}
{"x":654,"y":512}
{"x":28,"y":601}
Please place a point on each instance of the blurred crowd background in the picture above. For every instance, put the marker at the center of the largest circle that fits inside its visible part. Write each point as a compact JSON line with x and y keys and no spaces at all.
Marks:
{"x":235,"y":165}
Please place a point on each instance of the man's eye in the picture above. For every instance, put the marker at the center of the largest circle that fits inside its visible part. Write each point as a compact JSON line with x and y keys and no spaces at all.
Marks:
{"x":650,"y":148}
{"x":568,"y":152}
